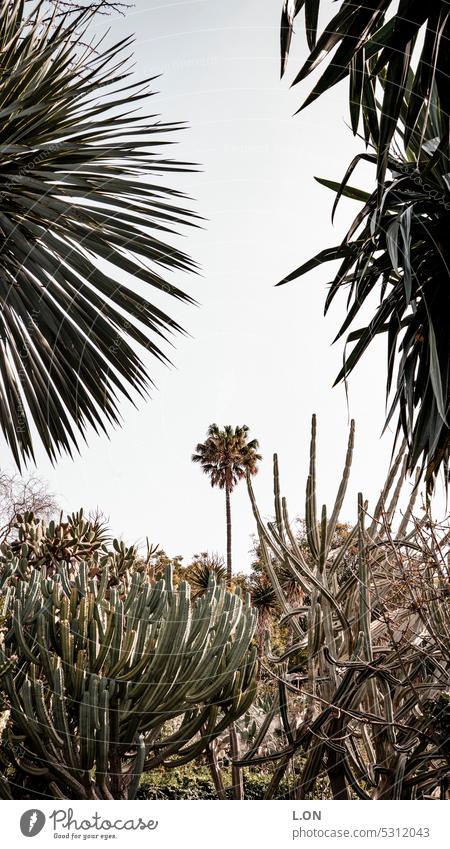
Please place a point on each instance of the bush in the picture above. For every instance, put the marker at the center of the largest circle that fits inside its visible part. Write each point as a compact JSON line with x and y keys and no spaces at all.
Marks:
{"x":195,"y":782}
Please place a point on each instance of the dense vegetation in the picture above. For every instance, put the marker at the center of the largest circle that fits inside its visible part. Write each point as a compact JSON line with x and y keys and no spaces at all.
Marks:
{"x":324,"y":672}
{"x":106,"y":672}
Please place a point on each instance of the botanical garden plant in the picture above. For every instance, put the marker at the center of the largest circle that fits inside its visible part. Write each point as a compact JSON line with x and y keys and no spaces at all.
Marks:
{"x":369,"y":705}
{"x":107,"y":673}
{"x":88,"y":227}
{"x":395,"y":56}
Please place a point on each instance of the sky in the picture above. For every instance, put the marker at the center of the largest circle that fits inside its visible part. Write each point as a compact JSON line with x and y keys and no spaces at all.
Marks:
{"x":256,"y":354}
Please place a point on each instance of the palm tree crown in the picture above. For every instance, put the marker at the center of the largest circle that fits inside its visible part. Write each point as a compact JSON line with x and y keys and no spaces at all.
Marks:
{"x":226,"y":456}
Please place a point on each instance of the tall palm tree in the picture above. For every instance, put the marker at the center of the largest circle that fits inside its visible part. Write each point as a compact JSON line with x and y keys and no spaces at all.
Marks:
{"x":226,"y":456}
{"x":85,"y":229}
{"x":396,"y":56}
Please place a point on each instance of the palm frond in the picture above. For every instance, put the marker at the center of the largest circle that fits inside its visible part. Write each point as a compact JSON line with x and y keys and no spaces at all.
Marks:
{"x":227,"y":455}
{"x":85,"y":224}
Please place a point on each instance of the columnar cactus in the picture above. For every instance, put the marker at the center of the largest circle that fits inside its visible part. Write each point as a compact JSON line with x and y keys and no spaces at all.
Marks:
{"x":105,"y":681}
{"x":376,"y":636}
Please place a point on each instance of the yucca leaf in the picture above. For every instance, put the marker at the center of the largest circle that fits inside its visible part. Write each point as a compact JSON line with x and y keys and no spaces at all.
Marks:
{"x":435,"y":372}
{"x":371,"y":48}
{"x":348,"y":191}
{"x":324,"y":256}
{"x":86,"y":226}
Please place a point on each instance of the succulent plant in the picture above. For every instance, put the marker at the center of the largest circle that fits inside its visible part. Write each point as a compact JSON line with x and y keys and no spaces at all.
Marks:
{"x":376,"y":645}
{"x":200,"y":571}
{"x":106,"y":681}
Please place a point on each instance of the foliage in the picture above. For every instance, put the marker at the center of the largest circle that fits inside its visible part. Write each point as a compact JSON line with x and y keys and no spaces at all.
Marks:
{"x":377,"y":649}
{"x":371,"y":44}
{"x":107,"y":673}
{"x":204,"y":565}
{"x":159,"y":560}
{"x":195,"y":782}
{"x":397,"y":241}
{"x":226,"y":457}
{"x":86,"y":229}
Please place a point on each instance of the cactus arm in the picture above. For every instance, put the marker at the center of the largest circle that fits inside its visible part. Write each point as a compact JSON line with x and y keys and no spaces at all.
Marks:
{"x":363,"y":580}
{"x":310,"y":504}
{"x":102,"y":740}
{"x":44,"y":717}
{"x":266,"y":542}
{"x":105,"y":643}
{"x":298,"y":565}
{"x":342,"y":486}
{"x":138,"y":767}
{"x":124,"y":656}
{"x":59,"y":705}
{"x":18,"y":630}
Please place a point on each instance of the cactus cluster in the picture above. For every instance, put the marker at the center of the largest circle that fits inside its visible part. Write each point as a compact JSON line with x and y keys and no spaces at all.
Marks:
{"x":106,"y":678}
{"x":374,"y":627}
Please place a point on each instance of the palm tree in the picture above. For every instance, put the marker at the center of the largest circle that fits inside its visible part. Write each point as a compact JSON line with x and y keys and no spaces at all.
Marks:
{"x":400,"y":102}
{"x":85,"y":229}
{"x":226,"y":457}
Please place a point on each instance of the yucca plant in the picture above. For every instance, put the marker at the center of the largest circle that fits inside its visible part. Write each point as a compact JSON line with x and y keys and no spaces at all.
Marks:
{"x":203,"y":566}
{"x":373,"y":41}
{"x":401,"y":247}
{"x":396,"y":244}
{"x":87,"y":226}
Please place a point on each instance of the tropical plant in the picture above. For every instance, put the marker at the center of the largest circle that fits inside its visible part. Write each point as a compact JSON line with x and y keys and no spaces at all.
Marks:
{"x":48,"y":543}
{"x":399,"y":91}
{"x":373,"y":686}
{"x":198,"y":574}
{"x":373,"y":45}
{"x":86,"y":227}
{"x":226,"y":457}
{"x":107,"y":673}
{"x":265,"y":603}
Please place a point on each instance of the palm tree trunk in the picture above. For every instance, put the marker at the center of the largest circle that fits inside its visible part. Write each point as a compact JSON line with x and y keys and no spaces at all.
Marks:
{"x":228,"y":506}
{"x":236,"y":772}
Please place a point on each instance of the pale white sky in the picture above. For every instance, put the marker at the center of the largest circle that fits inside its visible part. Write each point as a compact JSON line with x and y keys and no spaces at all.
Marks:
{"x":257,"y":355}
